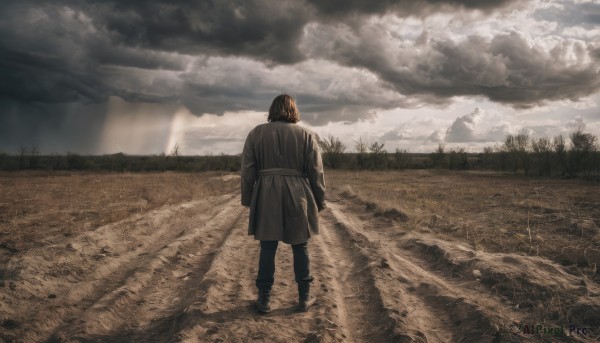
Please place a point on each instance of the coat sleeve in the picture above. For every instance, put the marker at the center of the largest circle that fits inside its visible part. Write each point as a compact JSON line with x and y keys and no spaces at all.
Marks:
{"x":314,"y":172}
{"x":248,"y":170}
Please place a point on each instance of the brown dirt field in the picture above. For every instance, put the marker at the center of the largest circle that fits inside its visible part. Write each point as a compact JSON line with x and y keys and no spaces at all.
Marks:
{"x":415,"y":256}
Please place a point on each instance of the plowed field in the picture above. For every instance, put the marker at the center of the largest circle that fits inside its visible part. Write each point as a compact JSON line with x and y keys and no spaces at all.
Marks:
{"x":166,"y":258}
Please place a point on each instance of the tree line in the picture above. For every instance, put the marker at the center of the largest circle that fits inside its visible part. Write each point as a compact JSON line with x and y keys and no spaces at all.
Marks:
{"x":577,"y":155}
{"x":29,"y":159}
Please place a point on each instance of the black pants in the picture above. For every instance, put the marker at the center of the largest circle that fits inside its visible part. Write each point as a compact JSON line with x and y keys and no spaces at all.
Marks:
{"x":266,"y":264}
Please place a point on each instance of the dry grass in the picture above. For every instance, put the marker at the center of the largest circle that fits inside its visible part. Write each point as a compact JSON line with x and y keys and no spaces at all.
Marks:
{"x":556,"y":219}
{"x":39,"y":207}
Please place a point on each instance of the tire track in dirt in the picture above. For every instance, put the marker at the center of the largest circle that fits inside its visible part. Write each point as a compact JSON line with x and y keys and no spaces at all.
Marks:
{"x":515,"y":288}
{"x":348,"y":307}
{"x":185,"y":273}
{"x":220,"y":307}
{"x":477,"y":294}
{"x":115,"y":254}
{"x":359,"y":299}
{"x":423,"y":307}
{"x":224,"y":310}
{"x":358,"y":311}
{"x":158,"y":286}
{"x":210,"y":299}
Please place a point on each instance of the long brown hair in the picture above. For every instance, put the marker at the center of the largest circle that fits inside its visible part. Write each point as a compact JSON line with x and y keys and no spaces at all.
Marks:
{"x":284,"y":108}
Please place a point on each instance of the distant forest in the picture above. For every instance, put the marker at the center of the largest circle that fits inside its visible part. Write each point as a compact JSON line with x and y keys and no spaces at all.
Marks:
{"x":578,"y":155}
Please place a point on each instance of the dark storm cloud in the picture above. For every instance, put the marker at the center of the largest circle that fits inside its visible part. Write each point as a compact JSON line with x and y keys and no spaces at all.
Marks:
{"x":506,"y":68}
{"x":51,"y":52}
{"x":32,"y":77}
{"x":406,"y":7}
{"x":315,"y":109}
{"x":132,"y":57}
{"x":266,"y":30}
{"x":263,"y":29}
{"x":64,"y":127}
{"x":83,"y":52}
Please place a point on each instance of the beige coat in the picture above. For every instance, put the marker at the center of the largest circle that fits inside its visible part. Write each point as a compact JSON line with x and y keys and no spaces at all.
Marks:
{"x":282,"y":182}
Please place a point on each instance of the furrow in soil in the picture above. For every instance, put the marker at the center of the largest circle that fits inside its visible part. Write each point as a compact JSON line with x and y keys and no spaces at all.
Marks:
{"x":102,"y":268}
{"x":425,"y":307}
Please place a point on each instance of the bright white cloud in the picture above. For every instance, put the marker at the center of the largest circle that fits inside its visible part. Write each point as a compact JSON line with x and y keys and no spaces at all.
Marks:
{"x":463,"y":128}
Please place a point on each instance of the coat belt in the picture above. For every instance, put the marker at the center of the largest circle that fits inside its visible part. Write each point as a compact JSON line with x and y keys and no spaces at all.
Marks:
{"x":281,"y":171}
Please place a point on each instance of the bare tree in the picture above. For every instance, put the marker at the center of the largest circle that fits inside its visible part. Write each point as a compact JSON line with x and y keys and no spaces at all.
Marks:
{"x":542,"y":149}
{"x":438,"y":158}
{"x":560,"y":149}
{"x":176,"y":151}
{"x":522,"y":145}
{"x":510,"y":147}
{"x":378,"y":155}
{"x":583,"y":152}
{"x":361,"y":153}
{"x":333,"y":150}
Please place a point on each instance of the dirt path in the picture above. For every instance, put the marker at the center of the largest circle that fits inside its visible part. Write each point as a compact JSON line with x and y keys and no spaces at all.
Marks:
{"x":185,"y":273}
{"x":434,"y":290}
{"x":88,"y":284}
{"x":421,"y":305}
{"x":361,"y":309}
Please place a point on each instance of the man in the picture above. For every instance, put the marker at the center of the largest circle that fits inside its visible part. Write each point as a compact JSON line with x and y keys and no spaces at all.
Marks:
{"x":284,"y":186}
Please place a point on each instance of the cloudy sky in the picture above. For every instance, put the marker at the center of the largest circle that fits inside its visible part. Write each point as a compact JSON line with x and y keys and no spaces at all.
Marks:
{"x":141,"y":76}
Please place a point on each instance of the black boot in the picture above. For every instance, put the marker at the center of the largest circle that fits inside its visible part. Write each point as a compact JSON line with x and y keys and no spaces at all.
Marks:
{"x":305,"y":300}
{"x":262,"y":303}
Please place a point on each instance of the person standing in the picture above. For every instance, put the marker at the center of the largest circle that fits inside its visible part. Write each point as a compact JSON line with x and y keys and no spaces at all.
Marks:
{"x":283,"y":184}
